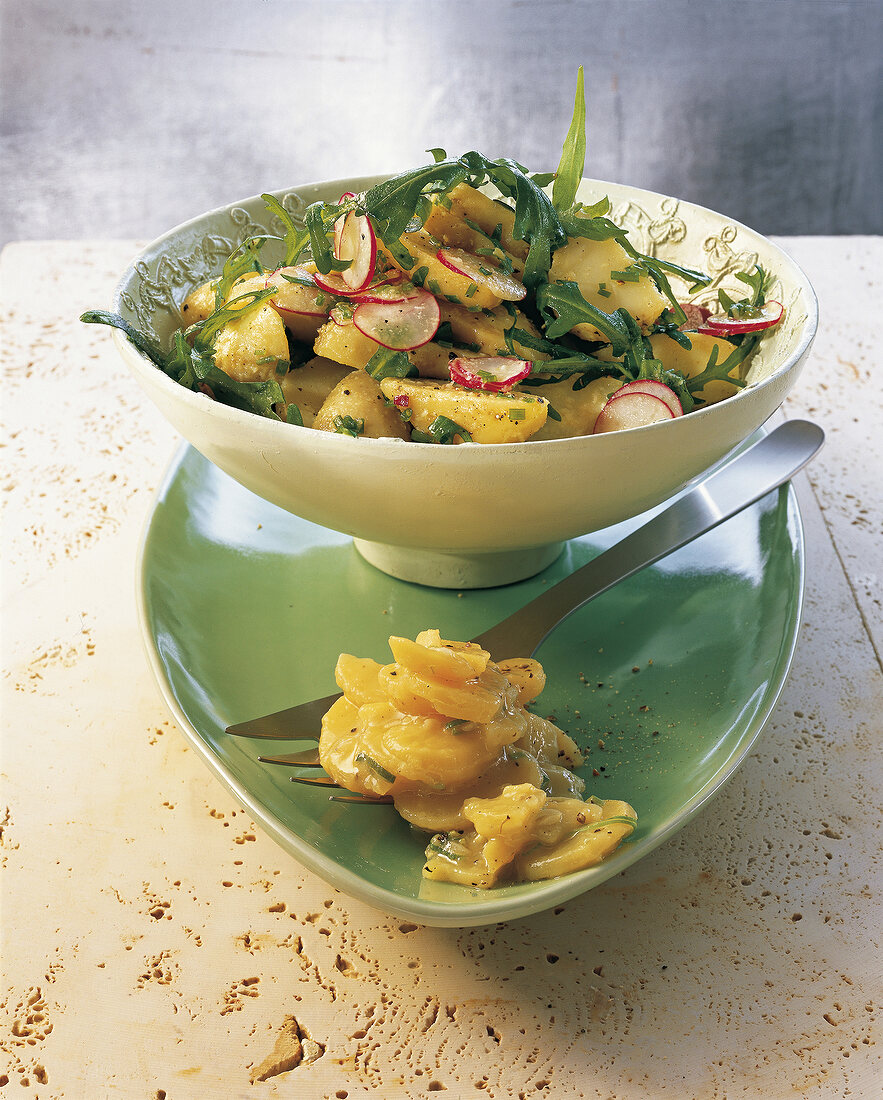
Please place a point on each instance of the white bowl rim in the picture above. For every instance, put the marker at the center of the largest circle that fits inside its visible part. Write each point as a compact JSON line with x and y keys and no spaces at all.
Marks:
{"x":199,"y":403}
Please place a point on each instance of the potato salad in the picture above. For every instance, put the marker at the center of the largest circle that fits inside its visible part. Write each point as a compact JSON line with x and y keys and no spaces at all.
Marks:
{"x":465,"y":301}
{"x":443,"y":733}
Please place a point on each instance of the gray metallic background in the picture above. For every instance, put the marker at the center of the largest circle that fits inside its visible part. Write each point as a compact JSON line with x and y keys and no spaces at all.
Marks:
{"x":120,"y":119}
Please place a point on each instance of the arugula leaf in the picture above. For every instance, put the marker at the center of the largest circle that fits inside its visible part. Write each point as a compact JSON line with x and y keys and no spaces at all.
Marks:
{"x":141,"y":342}
{"x":386,"y":363}
{"x":318,"y":219}
{"x":391,"y":204}
{"x":296,"y":240}
{"x":571,"y":167}
{"x":720,"y":371}
{"x":562,"y":306}
{"x":244,"y":259}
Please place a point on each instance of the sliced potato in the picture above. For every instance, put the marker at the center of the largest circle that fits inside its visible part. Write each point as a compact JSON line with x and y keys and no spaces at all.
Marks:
{"x":308,"y":386}
{"x":694,"y":360}
{"x":249,"y":347}
{"x":449,"y":225}
{"x":199,"y":303}
{"x":302,"y":308}
{"x":359,"y":396}
{"x":591,"y":265}
{"x":344,"y":344}
{"x":491,"y":216}
{"x":578,"y":409}
{"x":487,"y":417}
{"x":429,"y":272}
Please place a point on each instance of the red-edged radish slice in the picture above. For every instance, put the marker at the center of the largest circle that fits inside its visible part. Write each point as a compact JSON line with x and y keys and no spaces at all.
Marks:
{"x":488,"y":372}
{"x":346,"y":195}
{"x":333,"y":283}
{"x":354,"y":240}
{"x":768,"y":316}
{"x":655,"y":389}
{"x":696,"y":315}
{"x":480,"y":270}
{"x":291,"y":297}
{"x":400,"y":325}
{"x":341,"y":317}
{"x":632,"y":410}
{"x":383,"y":292}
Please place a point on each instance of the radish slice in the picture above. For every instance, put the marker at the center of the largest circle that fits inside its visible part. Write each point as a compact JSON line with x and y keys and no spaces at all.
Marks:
{"x":489,"y":372}
{"x":632,"y":410}
{"x":400,"y":325}
{"x":341,"y":317}
{"x":294,"y":297}
{"x":333,"y":283}
{"x":656,"y":389}
{"x":770,"y":315}
{"x":354,"y":240}
{"x":384,"y":292}
{"x":696,"y":315}
{"x":480,"y":270}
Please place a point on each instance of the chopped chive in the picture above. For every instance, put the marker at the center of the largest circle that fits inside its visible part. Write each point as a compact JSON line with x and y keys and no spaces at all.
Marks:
{"x":364,"y":758}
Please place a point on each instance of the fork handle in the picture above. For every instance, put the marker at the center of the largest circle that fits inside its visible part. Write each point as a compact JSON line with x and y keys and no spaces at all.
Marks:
{"x":745,"y":479}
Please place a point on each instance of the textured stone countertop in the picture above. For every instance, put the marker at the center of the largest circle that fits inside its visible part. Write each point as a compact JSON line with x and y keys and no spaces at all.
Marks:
{"x":157,"y":945}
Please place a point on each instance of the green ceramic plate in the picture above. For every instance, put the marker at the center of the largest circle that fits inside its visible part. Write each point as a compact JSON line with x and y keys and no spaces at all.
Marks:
{"x":245,"y":609}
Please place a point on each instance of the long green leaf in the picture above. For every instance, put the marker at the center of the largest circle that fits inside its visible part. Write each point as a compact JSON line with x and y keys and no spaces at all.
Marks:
{"x":572,"y":165}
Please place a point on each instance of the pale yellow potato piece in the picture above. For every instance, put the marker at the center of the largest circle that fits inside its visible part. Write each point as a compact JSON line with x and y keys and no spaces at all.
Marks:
{"x":439,"y":279}
{"x":488,"y":417}
{"x":470,"y":652}
{"x":359,"y":396}
{"x":589,"y":264}
{"x":427,"y":656}
{"x":442,"y":811}
{"x":450,"y":227}
{"x":344,"y":344}
{"x":358,"y":679}
{"x":484,"y":332}
{"x":474,"y":702}
{"x":503,"y":827}
{"x":199,"y":303}
{"x":340,"y":743}
{"x":421,"y":748}
{"x":249,"y":348}
{"x":525,"y":674}
{"x":487,"y":329}
{"x":693,"y":361}
{"x":585,"y":848}
{"x":488,"y":214}
{"x":578,"y":409}
{"x":308,"y":386}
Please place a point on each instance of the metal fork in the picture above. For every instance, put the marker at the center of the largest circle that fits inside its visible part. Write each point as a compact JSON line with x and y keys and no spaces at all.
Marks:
{"x":735,"y":486}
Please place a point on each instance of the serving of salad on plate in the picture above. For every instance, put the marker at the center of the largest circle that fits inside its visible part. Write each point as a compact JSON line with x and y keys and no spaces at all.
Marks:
{"x":463,"y":301}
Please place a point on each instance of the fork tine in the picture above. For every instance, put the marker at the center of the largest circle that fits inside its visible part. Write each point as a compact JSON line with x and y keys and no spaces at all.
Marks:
{"x":308,"y":758}
{"x":381,"y":800}
{"x":300,"y":723}
{"x":315,"y":781}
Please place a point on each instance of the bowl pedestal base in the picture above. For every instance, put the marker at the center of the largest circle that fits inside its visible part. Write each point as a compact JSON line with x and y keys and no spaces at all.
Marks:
{"x":457,"y":568}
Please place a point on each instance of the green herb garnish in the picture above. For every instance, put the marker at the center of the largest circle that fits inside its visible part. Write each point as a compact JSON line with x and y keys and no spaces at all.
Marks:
{"x":347,"y":425}
{"x":364,"y":758}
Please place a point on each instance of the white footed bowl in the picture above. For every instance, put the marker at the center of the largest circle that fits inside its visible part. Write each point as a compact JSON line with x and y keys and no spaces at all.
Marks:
{"x":473,"y":515}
